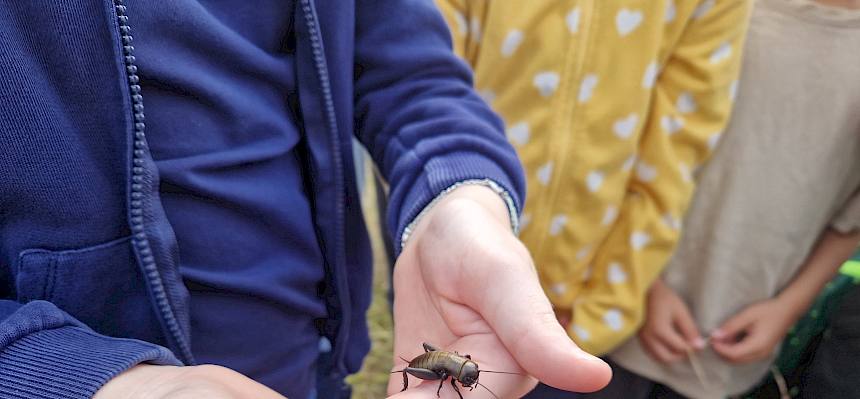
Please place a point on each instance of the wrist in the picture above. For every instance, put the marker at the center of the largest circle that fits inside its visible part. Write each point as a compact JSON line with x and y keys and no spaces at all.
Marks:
{"x":485,"y":197}
{"x":129,"y":383}
{"x":794,"y":302}
{"x":484,"y":193}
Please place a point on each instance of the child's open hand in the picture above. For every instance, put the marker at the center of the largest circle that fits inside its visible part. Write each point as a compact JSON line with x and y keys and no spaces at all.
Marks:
{"x":669,"y":332}
{"x":754,"y":333}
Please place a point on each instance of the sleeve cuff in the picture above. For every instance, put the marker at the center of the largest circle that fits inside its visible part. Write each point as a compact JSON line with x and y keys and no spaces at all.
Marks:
{"x":71,"y":362}
{"x":504,"y":194}
{"x":443,"y":176}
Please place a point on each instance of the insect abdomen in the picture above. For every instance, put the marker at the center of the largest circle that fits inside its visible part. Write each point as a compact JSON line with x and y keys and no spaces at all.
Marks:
{"x":439,"y":361}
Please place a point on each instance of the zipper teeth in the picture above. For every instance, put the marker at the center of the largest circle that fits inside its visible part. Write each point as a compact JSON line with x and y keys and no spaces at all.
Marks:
{"x":322,"y":70}
{"x":138,"y":178}
{"x":568,"y":124}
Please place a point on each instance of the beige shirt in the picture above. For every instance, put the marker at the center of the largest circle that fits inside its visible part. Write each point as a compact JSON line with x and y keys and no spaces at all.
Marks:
{"x":787,"y":168}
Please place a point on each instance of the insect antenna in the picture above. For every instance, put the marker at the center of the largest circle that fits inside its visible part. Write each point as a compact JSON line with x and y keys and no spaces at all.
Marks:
{"x":499,"y":372}
{"x":488,"y":389}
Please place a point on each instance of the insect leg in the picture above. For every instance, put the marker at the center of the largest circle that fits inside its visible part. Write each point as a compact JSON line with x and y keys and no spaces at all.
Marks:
{"x":405,"y":381}
{"x":443,"y":376}
{"x":429,"y":347}
{"x":453,"y":384}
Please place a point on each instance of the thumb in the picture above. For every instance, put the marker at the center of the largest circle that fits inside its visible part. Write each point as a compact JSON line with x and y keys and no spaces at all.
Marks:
{"x":687,"y":327}
{"x":734,"y":326}
{"x":519,"y":312}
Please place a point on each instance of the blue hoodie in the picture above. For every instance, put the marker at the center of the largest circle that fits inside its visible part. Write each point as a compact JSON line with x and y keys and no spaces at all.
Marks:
{"x":89,"y":268}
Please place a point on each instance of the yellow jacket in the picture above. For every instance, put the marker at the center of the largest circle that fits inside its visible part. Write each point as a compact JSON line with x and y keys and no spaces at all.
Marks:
{"x":612,"y":104}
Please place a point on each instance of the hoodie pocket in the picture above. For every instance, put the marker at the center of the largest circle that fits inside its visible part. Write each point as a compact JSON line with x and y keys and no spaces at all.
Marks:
{"x":100,"y":285}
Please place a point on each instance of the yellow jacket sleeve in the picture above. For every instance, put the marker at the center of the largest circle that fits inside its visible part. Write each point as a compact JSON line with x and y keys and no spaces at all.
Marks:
{"x":465,"y":19}
{"x":691,"y":103}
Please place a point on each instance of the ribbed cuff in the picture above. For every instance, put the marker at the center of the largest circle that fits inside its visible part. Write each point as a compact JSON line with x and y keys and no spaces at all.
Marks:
{"x":70,"y":362}
{"x":447,"y":172}
{"x":505,"y":196}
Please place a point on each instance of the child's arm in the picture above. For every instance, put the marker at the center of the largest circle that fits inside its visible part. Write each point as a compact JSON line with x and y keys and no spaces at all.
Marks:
{"x":754,"y":333}
{"x":691,"y":104}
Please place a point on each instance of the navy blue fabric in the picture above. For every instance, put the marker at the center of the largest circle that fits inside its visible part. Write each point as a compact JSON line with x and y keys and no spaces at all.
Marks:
{"x":93,"y":230}
{"x":48,"y":354}
{"x":226,"y":142}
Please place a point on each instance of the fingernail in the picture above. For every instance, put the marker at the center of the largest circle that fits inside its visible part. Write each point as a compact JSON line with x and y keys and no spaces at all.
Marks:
{"x":718,"y":334}
{"x":699,"y":343}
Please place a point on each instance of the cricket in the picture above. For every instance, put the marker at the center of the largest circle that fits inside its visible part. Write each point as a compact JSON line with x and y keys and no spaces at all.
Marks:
{"x":435,"y":364}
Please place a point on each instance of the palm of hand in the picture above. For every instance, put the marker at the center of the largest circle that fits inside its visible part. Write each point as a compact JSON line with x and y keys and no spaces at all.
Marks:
{"x":433,"y":289}
{"x":467,"y":284}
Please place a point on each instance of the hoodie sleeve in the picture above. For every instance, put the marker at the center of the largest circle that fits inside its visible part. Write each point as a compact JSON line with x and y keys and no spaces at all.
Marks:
{"x":417,"y":113}
{"x":45,"y":353}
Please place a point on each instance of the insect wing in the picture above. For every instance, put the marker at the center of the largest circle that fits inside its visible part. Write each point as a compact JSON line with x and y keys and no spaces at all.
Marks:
{"x":424,"y":374}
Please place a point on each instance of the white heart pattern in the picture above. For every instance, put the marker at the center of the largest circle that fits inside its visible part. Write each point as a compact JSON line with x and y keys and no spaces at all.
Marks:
{"x":703,"y":9}
{"x":616,"y":274}
{"x":686,"y":103}
{"x":546,"y":83}
{"x":671,"y":124}
{"x":639,"y":240}
{"x":624,"y":127}
{"x":581,"y":333}
{"x":518,"y":134}
{"x":714,"y":140}
{"x":475,"y":28}
{"x":721,"y":53}
{"x":572,"y":20}
{"x":686,"y":172}
{"x":628,"y":163}
{"x":525,"y":220}
{"x":650,"y":77}
{"x":487,"y":95}
{"x":671,"y":221}
{"x":609,"y":215}
{"x":671,"y":11}
{"x":511,"y":43}
{"x":613,"y":319}
{"x":544,"y":173}
{"x":627,"y":21}
{"x":462,"y":25}
{"x":594,"y":180}
{"x":556,"y":225}
{"x":586,"y":88}
{"x":645,"y":172}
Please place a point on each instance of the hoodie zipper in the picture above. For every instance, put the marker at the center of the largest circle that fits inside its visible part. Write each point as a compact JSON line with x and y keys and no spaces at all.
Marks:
{"x":321,"y":67}
{"x":139,"y":182}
